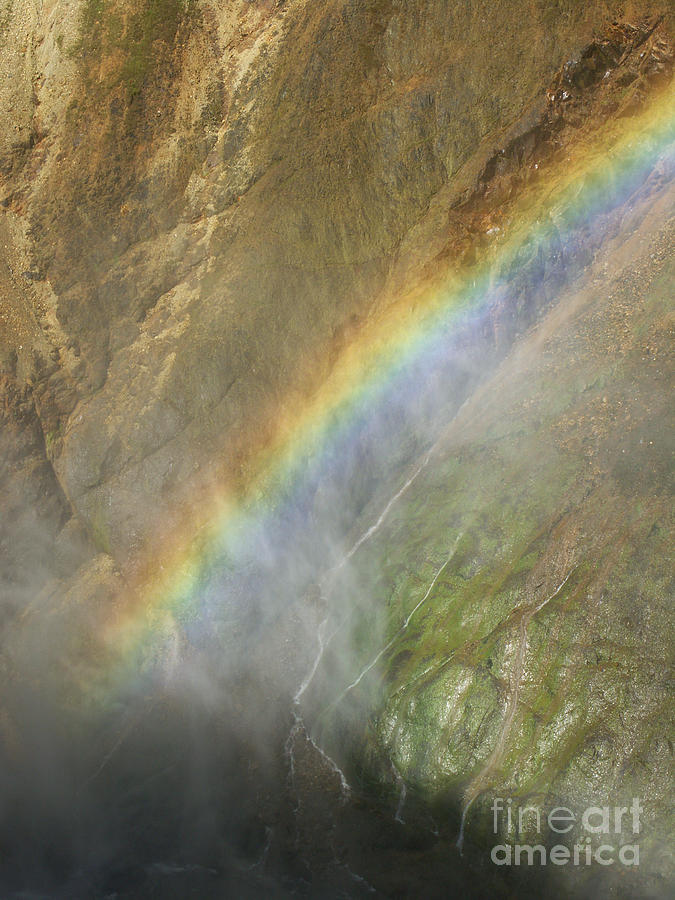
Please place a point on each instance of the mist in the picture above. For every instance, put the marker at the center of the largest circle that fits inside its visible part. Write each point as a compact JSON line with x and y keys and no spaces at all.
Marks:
{"x":185,"y":766}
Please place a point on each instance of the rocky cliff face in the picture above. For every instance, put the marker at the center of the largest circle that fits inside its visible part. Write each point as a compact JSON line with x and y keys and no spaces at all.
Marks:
{"x":535,"y":666}
{"x":202,"y":205}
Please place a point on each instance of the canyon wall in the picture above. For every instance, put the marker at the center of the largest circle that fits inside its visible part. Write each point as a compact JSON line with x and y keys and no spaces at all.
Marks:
{"x":202,"y":203}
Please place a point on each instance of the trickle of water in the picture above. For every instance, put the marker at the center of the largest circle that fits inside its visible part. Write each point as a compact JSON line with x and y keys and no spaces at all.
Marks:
{"x":460,"y":837}
{"x":359,"y":879}
{"x":260,"y":862}
{"x":403,"y":627}
{"x":299,"y":726}
{"x":403,"y":791}
{"x":385,"y":512}
{"x":479,"y":783}
{"x":317,"y":659}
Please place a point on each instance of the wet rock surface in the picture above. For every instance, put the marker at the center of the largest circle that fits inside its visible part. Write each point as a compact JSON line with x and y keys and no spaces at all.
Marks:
{"x":528,"y":656}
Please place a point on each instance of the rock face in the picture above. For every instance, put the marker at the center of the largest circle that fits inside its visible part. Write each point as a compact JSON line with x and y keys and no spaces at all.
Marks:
{"x":202,"y":204}
{"x":536,"y":668}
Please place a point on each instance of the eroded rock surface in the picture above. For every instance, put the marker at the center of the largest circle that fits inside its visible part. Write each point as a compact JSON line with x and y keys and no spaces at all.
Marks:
{"x":204,"y":201}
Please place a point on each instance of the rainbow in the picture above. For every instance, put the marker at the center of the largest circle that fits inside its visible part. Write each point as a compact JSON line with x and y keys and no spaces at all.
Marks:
{"x":391,"y":357}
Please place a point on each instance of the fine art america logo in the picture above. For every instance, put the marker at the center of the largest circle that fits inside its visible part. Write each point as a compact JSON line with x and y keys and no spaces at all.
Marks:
{"x":599,"y":835}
